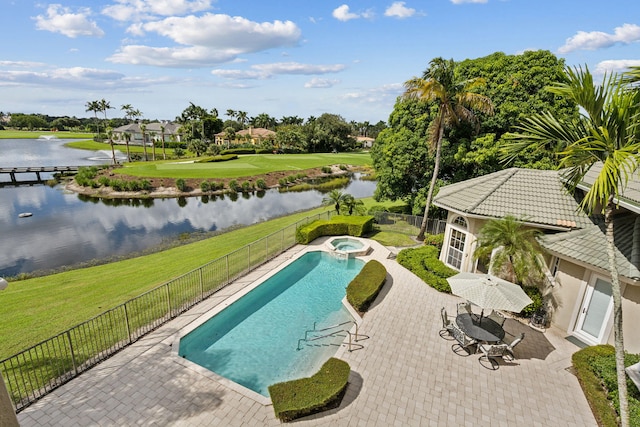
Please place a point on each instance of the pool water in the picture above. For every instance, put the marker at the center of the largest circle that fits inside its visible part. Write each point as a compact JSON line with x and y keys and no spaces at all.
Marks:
{"x":254,"y":341}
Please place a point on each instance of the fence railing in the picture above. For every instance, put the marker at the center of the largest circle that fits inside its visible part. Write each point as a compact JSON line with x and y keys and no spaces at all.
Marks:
{"x":408,"y":224}
{"x":35,"y":372}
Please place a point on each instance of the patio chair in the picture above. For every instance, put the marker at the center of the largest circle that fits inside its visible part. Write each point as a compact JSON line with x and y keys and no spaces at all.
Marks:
{"x":465,"y":307}
{"x":513,"y":344}
{"x":497,"y":317}
{"x":447,"y":325}
{"x":465,"y":342}
{"x":491,"y":352}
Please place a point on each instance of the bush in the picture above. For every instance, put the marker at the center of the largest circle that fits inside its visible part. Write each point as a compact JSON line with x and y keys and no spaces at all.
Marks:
{"x":239,"y":151}
{"x":205,"y":186}
{"x":595,"y":368}
{"x":377,"y":208}
{"x":436,"y":240}
{"x":234,"y":186}
{"x":536,"y":296}
{"x":306,"y":396}
{"x":213,"y":159}
{"x":337,"y":226}
{"x":181,"y":184}
{"x":261,"y":184}
{"x":282,"y":182}
{"x":424,"y":263}
{"x":246,"y":187}
{"x":326,"y":169}
{"x":365,"y":287}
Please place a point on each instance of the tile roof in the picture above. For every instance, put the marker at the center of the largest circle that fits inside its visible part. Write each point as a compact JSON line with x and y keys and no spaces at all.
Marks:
{"x":535,"y":196}
{"x":588,"y":245}
{"x":630,"y":195}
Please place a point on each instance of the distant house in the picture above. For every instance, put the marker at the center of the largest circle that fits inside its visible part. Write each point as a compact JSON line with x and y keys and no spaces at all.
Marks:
{"x":252,"y":135}
{"x":153,"y":132}
{"x":365,"y":141}
{"x":578,"y":278}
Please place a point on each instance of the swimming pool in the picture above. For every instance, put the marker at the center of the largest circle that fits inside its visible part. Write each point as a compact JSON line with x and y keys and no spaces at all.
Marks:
{"x":254,"y":341}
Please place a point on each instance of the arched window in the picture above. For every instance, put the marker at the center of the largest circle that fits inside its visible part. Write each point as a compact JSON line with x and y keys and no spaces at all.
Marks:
{"x":455,"y":246}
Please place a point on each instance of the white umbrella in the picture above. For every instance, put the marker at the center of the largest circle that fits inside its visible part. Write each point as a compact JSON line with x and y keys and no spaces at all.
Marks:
{"x":489,"y":292}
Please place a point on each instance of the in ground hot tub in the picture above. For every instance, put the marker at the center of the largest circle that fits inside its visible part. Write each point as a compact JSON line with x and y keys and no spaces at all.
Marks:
{"x":349,"y":246}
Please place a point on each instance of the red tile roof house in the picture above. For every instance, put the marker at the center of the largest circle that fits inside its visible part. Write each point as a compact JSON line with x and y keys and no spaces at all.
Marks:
{"x":578,"y":275}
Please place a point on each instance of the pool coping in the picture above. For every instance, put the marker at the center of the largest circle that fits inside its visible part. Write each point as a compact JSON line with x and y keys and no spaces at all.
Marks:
{"x":204,"y":317}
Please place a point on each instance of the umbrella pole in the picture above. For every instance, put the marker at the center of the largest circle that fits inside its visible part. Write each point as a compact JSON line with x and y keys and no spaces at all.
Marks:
{"x":481,"y":315}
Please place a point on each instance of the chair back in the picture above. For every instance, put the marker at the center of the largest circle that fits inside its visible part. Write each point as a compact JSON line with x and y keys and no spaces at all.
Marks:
{"x":464,"y":307}
{"x":497,"y":317}
{"x":496,"y":350}
{"x":446,"y":322}
{"x":460,"y":336}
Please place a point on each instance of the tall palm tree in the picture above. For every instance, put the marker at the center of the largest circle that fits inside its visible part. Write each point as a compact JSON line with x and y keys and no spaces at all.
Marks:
{"x":127,"y":138}
{"x":143,"y":130}
{"x":94,"y":106}
{"x":512,"y":248}
{"x":606,"y":132}
{"x":456,"y":101}
{"x":164,"y":153}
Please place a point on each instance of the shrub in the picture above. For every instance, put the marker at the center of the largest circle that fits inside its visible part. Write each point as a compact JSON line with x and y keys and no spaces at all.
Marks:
{"x":213,"y":159}
{"x":261,"y":184}
{"x":344,"y":167}
{"x":205,"y":186}
{"x":145,"y":184}
{"x":326,"y":169}
{"x":377,"y":208}
{"x":246,"y":187}
{"x":365,"y":287}
{"x":291,"y":178}
{"x":239,"y":151}
{"x":104,"y":181}
{"x":234,"y":186}
{"x":436,"y":240}
{"x":178,"y":151}
{"x":306,"y":396}
{"x":336,"y":226}
{"x":282,"y":182}
{"x":424,"y":263}
{"x":181,"y":184}
{"x":536,"y":296}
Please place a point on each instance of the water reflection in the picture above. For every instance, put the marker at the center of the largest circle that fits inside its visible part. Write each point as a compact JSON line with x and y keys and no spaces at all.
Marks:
{"x":68,"y":229}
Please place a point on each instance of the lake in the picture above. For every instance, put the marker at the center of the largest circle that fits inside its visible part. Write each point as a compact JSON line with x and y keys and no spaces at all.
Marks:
{"x":67,"y":229}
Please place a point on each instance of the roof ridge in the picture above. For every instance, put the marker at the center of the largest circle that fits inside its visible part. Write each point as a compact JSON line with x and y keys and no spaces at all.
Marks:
{"x":509,"y":173}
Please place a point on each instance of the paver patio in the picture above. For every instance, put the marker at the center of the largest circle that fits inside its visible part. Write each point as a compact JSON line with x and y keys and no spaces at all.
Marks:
{"x":406,"y":375}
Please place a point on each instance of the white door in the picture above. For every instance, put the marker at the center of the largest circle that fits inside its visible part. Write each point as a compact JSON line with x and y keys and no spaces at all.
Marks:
{"x":595,"y":311}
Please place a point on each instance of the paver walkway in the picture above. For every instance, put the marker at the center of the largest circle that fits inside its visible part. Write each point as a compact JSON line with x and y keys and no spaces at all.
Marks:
{"x":406,"y":375}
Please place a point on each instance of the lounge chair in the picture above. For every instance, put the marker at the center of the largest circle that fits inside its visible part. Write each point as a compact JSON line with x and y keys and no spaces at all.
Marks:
{"x":465,"y":342}
{"x":447,"y":325}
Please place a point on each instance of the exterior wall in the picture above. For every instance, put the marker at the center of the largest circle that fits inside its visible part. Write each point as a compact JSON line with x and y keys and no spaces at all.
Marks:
{"x":566,"y":295}
{"x":472,"y":229}
{"x":630,"y":319}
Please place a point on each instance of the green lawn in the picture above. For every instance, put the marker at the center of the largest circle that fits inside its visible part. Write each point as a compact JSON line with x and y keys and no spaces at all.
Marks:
{"x":23,"y":134}
{"x":35,"y":309}
{"x":245,"y":165}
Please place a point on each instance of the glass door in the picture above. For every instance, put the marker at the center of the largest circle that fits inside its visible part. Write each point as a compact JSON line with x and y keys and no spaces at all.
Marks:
{"x":595,"y":311}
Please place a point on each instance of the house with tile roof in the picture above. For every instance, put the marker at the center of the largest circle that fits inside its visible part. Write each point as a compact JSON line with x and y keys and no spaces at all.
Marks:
{"x":252,"y":135}
{"x":153,"y":132}
{"x":578,"y":288}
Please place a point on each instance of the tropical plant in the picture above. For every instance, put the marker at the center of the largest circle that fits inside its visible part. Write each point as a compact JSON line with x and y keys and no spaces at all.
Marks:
{"x":512,"y":249}
{"x":350,"y":205}
{"x":335,"y":198}
{"x":143,"y":130}
{"x":94,"y":106}
{"x":456,"y":101}
{"x":607,"y":132}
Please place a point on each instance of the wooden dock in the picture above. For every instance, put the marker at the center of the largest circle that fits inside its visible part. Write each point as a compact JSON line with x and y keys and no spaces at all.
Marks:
{"x":37,"y":170}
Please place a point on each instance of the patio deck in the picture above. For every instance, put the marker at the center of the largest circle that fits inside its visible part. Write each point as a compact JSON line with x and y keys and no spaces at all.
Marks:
{"x":406,"y":375}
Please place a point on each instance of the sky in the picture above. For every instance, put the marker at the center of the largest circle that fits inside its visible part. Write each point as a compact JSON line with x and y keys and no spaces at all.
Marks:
{"x":283,"y":58}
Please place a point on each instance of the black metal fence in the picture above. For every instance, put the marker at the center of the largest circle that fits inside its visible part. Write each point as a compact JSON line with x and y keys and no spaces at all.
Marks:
{"x":33,"y":373}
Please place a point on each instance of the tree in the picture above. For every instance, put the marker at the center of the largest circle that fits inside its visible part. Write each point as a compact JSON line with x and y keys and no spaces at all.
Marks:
{"x":512,"y":249}
{"x":455,"y":100}
{"x":109,"y":133}
{"x":104,"y":106}
{"x":143,"y":130}
{"x":94,"y":106}
{"x":127,"y":138}
{"x":164,"y":153}
{"x":350,"y":205}
{"x":335,"y":198}
{"x":197,"y":145}
{"x":606,"y":132}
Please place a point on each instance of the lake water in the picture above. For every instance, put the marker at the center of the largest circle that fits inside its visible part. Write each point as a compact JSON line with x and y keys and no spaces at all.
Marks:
{"x":67,"y":229}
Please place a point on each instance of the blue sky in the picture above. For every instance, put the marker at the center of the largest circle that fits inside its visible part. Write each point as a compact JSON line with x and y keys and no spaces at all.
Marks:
{"x":283,"y":58}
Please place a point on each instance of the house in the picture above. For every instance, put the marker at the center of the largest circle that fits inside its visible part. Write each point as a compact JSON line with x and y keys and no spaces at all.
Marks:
{"x":251,"y":135}
{"x":578,"y":289}
{"x":365,"y":141}
{"x":153,"y":131}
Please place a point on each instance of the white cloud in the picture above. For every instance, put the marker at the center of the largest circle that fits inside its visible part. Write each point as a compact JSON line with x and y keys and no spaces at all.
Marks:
{"x":62,"y":20}
{"x":342,"y":13}
{"x":593,"y":40}
{"x":210,"y":39}
{"x":265,"y":71}
{"x":399,"y":10}
{"x":318,"y":83}
{"x":616,"y":65}
{"x":380,"y":94}
{"x":134,"y":10}
{"x":468,"y":1}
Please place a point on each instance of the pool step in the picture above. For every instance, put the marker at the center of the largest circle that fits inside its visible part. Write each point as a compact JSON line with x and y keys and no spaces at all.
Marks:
{"x":353,"y":337}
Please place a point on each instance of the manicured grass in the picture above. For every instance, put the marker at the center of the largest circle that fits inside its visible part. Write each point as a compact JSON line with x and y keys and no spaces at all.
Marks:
{"x":23,"y":134}
{"x":95,"y":146}
{"x":391,"y":238}
{"x":245,"y":165}
{"x":35,"y":309}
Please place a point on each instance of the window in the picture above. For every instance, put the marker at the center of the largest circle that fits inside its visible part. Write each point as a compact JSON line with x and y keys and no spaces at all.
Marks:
{"x":456,"y":248}
{"x":555,"y":263}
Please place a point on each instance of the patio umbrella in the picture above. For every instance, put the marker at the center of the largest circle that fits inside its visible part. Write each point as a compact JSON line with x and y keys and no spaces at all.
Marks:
{"x":489,"y":292}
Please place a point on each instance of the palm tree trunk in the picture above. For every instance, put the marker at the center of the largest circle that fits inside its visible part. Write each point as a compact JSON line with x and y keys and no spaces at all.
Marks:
{"x":617,"y":315}
{"x":432,"y":186}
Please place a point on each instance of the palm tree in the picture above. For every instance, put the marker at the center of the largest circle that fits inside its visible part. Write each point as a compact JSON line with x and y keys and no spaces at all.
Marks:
{"x":164,"y":153}
{"x":95,"y":107}
{"x":109,"y":133}
{"x":105,"y":105}
{"x":512,"y":249}
{"x":143,"y":129}
{"x":606,"y":132}
{"x":127,"y":138}
{"x":127,"y":108}
{"x":152,"y":137}
{"x":456,"y":101}
{"x":351,"y":204}
{"x":335,"y":197}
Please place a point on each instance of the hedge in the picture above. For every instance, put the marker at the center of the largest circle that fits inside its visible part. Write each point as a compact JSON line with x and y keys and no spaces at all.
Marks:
{"x":595,"y":368}
{"x":365,"y":287}
{"x":324,"y":390}
{"x":424,"y":263}
{"x":212,"y":159}
{"x":239,"y":151}
{"x":337,"y":226}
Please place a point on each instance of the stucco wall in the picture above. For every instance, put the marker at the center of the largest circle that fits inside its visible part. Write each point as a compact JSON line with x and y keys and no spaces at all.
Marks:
{"x":630,"y":318}
{"x":566,"y":292}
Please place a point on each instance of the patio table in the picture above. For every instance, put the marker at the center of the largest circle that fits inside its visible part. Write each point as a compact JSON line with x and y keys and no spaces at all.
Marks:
{"x":482,"y":329}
